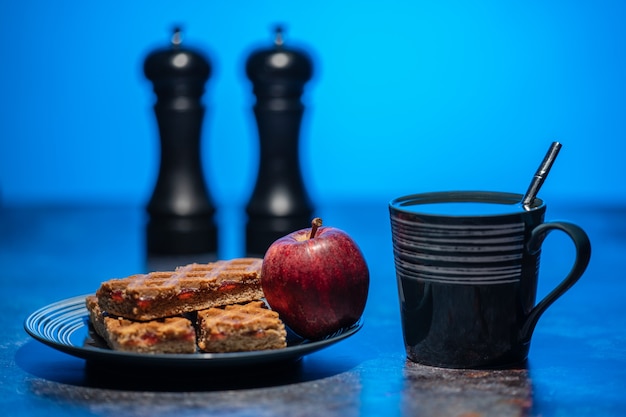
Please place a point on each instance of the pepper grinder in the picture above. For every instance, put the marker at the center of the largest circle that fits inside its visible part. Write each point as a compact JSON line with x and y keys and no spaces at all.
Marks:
{"x":279,"y":203}
{"x":180,"y":210}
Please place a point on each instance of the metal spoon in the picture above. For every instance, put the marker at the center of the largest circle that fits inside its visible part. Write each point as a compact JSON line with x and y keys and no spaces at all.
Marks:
{"x":540,"y":175}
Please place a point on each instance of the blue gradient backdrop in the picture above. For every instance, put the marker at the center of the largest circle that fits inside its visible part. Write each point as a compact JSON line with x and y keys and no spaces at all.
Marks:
{"x":408,"y":96}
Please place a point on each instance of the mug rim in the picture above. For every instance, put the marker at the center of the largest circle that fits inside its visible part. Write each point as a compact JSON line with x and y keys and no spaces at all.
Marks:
{"x":463,"y":196}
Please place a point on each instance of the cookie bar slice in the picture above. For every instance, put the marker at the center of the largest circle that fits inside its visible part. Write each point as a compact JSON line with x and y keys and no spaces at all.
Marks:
{"x":169,"y":335}
{"x":240,"y":328}
{"x":189,"y":288}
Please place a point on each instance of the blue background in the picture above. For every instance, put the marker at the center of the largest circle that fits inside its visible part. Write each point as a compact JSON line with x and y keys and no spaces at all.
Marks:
{"x":408,"y":96}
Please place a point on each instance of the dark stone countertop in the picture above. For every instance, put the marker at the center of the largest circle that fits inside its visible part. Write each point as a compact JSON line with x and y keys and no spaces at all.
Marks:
{"x":577,"y":363}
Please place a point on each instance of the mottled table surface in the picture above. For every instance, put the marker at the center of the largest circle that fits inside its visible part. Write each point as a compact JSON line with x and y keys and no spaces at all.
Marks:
{"x":576,"y":367}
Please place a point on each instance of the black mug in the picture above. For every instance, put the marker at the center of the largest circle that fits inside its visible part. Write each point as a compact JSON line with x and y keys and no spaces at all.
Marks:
{"x":467,"y":265}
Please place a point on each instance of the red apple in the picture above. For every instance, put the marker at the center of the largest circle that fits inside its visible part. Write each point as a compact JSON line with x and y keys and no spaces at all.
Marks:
{"x":316,"y":279}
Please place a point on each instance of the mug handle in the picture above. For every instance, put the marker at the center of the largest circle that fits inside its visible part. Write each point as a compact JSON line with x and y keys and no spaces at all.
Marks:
{"x":583,"y":254}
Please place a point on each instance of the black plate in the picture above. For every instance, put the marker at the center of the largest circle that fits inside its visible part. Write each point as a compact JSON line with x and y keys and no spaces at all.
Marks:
{"x":64,"y":326}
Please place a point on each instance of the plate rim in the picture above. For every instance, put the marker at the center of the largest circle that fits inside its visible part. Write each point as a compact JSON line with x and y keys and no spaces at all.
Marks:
{"x":294,"y":352}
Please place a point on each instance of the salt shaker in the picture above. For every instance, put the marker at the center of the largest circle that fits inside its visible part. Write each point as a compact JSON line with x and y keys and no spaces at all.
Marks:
{"x":279,"y":203}
{"x":181,"y":210}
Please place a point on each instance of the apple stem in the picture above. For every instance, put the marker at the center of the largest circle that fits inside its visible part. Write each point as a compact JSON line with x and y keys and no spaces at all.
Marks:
{"x":315,"y":224}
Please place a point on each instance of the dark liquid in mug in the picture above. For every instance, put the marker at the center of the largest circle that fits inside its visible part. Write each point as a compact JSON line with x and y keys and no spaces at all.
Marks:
{"x":469,"y":208}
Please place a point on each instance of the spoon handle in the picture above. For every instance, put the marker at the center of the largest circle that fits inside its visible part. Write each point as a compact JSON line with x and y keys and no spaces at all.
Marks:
{"x":540,"y":175}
